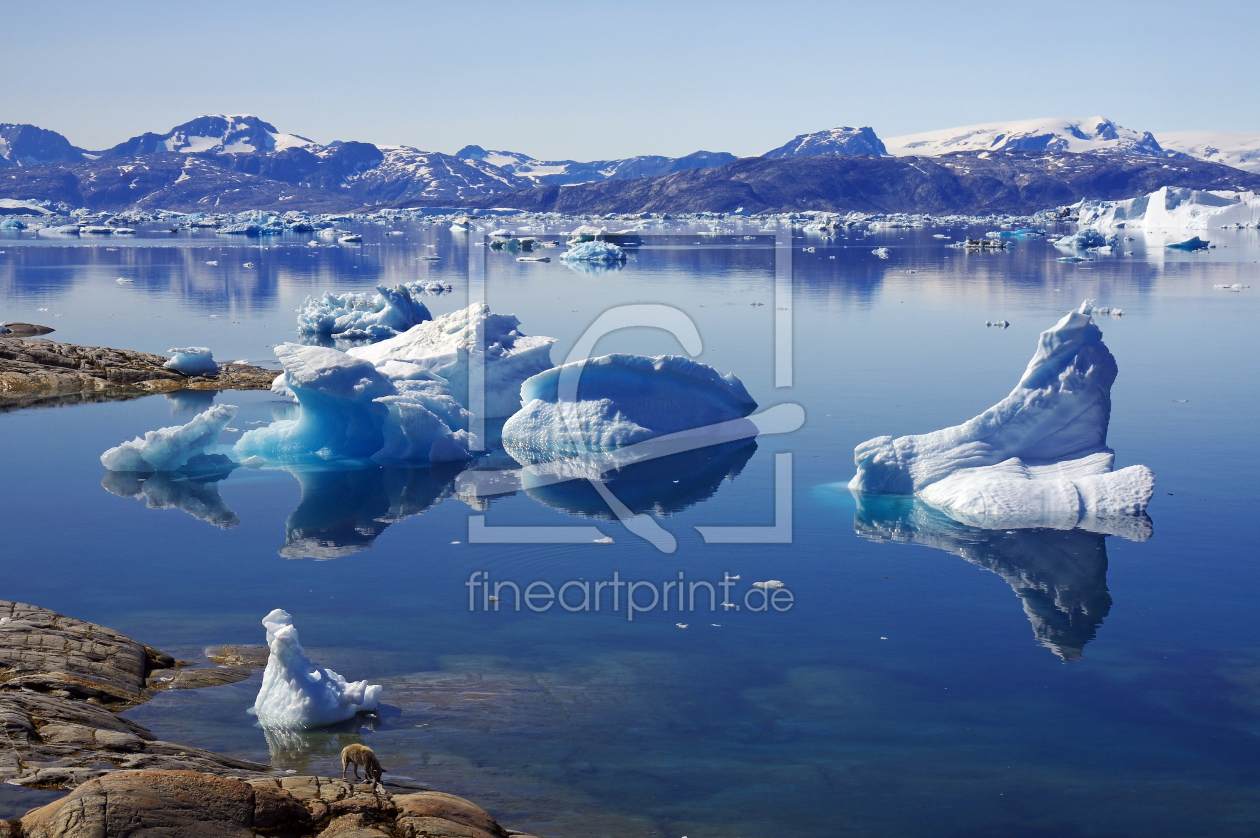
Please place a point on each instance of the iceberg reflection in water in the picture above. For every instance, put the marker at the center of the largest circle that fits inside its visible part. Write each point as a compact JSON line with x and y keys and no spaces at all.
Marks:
{"x":1060,"y":575}
{"x":342,"y":511}
{"x":172,"y":490}
{"x":298,"y":750}
{"x":659,"y":487}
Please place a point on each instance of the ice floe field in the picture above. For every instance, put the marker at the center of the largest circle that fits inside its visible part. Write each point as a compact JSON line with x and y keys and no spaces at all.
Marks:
{"x":1100,"y":676}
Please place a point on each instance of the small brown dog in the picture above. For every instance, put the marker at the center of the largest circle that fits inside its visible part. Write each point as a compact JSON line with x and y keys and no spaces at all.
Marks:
{"x":356,"y":755}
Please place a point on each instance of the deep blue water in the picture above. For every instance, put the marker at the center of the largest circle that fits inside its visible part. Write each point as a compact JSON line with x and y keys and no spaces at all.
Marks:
{"x":954,"y":682}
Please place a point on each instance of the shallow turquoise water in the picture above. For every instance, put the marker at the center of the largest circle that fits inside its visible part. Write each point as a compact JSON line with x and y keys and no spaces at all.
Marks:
{"x":1079,"y":685}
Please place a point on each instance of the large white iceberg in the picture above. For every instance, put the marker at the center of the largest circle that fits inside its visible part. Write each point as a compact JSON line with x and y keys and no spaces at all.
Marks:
{"x":296,"y":693}
{"x":619,"y":400}
{"x":444,"y":347}
{"x":192,"y":360}
{"x":357,"y":316}
{"x":1037,"y":458}
{"x":1173,"y":207}
{"x":350,"y":410}
{"x":167,"y":449}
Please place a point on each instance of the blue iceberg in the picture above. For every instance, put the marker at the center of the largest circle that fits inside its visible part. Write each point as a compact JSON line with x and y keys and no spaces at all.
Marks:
{"x":192,"y":360}
{"x":359,"y":316}
{"x":169,"y":449}
{"x":600,"y":252}
{"x":349,"y":410}
{"x":602,"y":404}
{"x":1037,"y":458}
{"x":1087,"y":239}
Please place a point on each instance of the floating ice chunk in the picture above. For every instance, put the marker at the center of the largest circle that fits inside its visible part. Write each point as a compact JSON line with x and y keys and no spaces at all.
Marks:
{"x":375,"y":316}
{"x":168,"y":449}
{"x":444,"y":347}
{"x":882,"y":252}
{"x":594,"y":251}
{"x":4,"y":330}
{"x":620,"y":400}
{"x":350,"y":410}
{"x":769,"y":585}
{"x":1039,"y":454}
{"x":1087,"y":239}
{"x":192,"y":360}
{"x":296,"y":693}
{"x":586,"y":233}
{"x":1194,"y":243}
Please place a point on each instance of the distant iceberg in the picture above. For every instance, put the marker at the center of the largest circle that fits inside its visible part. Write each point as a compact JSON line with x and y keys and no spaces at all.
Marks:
{"x":192,"y":360}
{"x":594,"y":251}
{"x":1087,"y":239}
{"x":619,"y":400}
{"x":350,"y":410}
{"x":169,"y":449}
{"x":296,"y":693}
{"x":358,"y":316}
{"x":1175,"y":207}
{"x":444,"y":347}
{"x":1037,"y":458}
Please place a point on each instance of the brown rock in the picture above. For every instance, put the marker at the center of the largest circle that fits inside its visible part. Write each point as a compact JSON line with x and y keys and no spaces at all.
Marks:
{"x":276,"y":811}
{"x":353,"y":826}
{"x":171,"y":804}
{"x":33,"y":370}
{"x":417,"y":811}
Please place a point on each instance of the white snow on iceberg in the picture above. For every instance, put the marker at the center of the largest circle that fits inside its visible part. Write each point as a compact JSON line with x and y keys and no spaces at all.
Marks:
{"x":444,"y":347}
{"x":356,"y":316}
{"x":1037,"y":458}
{"x":1173,"y":207}
{"x":192,"y":360}
{"x":296,"y":693}
{"x":594,"y":251}
{"x":619,"y":400}
{"x":351,"y":410}
{"x":167,"y":449}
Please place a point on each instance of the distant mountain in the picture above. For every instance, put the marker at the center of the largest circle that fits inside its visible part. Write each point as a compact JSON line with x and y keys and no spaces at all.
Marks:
{"x":562,"y":172}
{"x":1239,"y":149}
{"x":212,"y":134}
{"x":972,"y":183}
{"x":27,"y":145}
{"x":1075,"y":135}
{"x":833,"y":141}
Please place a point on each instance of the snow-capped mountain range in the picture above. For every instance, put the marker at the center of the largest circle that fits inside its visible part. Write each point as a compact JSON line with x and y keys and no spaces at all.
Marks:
{"x":1077,"y":136}
{"x":226,"y":161}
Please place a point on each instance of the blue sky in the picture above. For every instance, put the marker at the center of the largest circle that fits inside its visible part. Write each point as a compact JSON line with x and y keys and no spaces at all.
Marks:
{"x":602,"y":80}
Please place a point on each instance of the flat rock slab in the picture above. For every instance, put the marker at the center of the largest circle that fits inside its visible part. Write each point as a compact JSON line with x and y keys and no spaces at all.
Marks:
{"x":175,"y":804}
{"x":63,"y":683}
{"x":36,"y":369}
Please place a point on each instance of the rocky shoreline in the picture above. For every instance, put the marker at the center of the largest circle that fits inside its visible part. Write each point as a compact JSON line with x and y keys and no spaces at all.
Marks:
{"x":63,"y":683}
{"x":36,"y":371}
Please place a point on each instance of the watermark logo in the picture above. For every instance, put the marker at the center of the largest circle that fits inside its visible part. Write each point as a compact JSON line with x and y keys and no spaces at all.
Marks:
{"x":680,"y":596}
{"x":593,"y":465}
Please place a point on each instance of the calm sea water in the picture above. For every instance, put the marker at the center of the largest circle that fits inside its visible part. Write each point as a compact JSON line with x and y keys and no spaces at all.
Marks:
{"x":929,"y":680}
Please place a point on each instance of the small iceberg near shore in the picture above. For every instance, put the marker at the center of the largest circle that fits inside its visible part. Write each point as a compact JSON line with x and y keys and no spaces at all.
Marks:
{"x":601,"y":404}
{"x":297,"y":694}
{"x":364,"y":316}
{"x":192,"y":360}
{"x":1037,"y":458}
